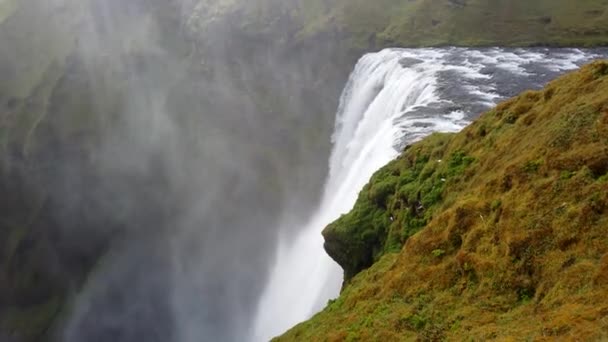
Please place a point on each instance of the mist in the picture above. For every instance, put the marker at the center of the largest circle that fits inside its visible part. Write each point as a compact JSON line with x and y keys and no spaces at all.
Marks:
{"x":173,"y":153}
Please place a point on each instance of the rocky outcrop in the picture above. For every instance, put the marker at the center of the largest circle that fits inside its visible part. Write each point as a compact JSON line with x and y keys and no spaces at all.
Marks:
{"x":399,"y":201}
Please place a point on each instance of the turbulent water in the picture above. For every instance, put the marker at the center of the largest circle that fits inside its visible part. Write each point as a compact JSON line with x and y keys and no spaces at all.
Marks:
{"x":393,"y":97}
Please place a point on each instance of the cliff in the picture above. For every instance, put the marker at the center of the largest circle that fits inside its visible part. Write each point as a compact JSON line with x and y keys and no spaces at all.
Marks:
{"x":284,"y":62}
{"x":497,"y":232}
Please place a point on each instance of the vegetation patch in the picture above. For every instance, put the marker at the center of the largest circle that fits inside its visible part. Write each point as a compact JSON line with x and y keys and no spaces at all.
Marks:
{"x":399,"y":201}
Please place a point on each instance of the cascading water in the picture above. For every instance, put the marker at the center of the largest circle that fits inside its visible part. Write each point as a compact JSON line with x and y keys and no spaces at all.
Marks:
{"x":393,"y":98}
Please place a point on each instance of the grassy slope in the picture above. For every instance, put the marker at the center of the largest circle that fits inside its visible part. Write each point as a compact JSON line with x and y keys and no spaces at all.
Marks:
{"x":467,"y":22}
{"x":515,"y":246}
{"x":361,"y":25}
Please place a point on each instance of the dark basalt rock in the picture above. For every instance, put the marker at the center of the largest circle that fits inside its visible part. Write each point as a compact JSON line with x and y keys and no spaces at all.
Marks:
{"x":407,"y":62}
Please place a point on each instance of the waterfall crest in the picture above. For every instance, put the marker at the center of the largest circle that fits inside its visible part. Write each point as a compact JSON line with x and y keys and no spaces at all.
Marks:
{"x":392,"y":98}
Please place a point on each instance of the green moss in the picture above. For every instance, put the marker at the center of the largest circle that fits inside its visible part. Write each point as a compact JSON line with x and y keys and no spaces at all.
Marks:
{"x":496,"y":204}
{"x":417,"y":322}
{"x":565,"y":175}
{"x":399,"y":201}
{"x":532,"y":166}
{"x":437,"y":253}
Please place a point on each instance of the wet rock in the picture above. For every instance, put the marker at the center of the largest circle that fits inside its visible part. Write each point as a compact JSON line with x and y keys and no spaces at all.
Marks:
{"x":408,"y":62}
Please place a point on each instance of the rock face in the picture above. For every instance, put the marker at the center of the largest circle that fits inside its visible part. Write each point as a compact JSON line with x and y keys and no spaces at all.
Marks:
{"x":512,"y":246}
{"x":99,"y":189}
{"x":45,"y":256}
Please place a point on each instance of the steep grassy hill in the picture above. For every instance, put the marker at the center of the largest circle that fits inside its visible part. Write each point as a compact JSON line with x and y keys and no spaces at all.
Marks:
{"x":363,"y":25}
{"x":503,"y":228}
{"x":470,"y":22}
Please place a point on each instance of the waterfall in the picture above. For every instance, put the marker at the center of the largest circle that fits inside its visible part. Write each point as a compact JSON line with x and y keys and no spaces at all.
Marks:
{"x":392,"y":98}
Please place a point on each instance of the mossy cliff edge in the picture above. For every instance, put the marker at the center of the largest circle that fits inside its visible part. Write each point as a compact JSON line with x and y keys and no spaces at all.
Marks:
{"x":503,"y":228}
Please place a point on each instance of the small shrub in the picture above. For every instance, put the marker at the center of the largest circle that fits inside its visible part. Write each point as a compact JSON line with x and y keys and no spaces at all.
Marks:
{"x":459,"y":161}
{"x":601,"y":69}
{"x":522,"y":108}
{"x":532,"y":166}
{"x":483,"y":131}
{"x":573,"y":126}
{"x":438,"y":253}
{"x":416,"y":322}
{"x":379,"y":192}
{"x":565,"y":175}
{"x":433,"y":197}
{"x":510,"y":119}
{"x":525,"y":294}
{"x":548,"y":94}
{"x":531,"y":95}
{"x":369,"y":236}
{"x":496,"y":204}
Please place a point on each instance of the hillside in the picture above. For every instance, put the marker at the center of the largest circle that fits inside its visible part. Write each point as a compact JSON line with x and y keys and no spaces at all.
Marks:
{"x":503,"y":228}
{"x":468,"y":22}
{"x":364,"y":25}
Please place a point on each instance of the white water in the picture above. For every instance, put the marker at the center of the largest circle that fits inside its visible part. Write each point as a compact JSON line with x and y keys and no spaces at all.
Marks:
{"x":388,"y":101}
